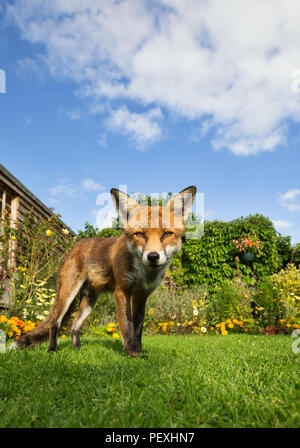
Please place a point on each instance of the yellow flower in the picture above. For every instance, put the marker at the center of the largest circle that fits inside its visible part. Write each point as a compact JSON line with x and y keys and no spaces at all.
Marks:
{"x":230,"y":325}
{"x":49,"y":232}
{"x":13,"y":237}
{"x":63,"y":336}
{"x":115,"y":336}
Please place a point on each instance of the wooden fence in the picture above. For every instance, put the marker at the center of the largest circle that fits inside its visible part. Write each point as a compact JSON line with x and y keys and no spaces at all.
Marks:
{"x":16,"y":200}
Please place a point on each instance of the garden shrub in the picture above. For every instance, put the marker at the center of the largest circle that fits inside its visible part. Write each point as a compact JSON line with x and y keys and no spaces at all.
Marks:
{"x":287,"y":283}
{"x":266,"y":300}
{"x":211,"y":259}
{"x":277,"y":299}
{"x":92,"y":232}
{"x":230,"y":300}
{"x":195,"y":310}
{"x":296,"y":255}
{"x":41,"y":246}
{"x":284,"y":250}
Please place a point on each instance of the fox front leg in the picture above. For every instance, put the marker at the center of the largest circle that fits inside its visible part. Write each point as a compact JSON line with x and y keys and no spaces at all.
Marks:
{"x":131,"y":341}
{"x":138,"y":311}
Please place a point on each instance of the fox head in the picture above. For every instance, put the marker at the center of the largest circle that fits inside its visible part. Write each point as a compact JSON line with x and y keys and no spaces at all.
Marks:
{"x":153,"y":233}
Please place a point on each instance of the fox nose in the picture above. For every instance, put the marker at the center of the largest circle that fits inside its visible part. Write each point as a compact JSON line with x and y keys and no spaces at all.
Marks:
{"x":153,"y":257}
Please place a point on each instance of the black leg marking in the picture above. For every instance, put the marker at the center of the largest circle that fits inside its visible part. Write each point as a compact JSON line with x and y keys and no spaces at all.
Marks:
{"x":53,"y":338}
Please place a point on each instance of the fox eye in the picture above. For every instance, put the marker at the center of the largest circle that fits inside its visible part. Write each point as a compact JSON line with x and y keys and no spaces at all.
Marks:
{"x":168,"y":233}
{"x":140,"y":234}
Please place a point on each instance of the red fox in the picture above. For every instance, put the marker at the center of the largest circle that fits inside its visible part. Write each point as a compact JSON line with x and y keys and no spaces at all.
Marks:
{"x":131,"y":266}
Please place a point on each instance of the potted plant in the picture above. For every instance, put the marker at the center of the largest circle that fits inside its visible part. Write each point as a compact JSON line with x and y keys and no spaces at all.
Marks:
{"x":248,"y":246}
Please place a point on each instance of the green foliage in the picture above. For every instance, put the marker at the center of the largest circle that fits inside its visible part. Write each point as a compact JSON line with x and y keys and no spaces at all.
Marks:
{"x":267,"y":304}
{"x":40,"y":246}
{"x":144,"y":199}
{"x":296,"y":255}
{"x":92,"y":232}
{"x":284,"y":250}
{"x":229,"y":301}
{"x":211,"y":259}
{"x":277,"y":299}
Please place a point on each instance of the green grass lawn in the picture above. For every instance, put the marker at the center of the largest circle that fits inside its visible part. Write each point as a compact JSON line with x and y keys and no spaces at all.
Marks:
{"x":187,"y":381}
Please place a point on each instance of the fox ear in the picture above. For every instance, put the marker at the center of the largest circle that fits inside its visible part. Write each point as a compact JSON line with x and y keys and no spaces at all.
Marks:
{"x":181,"y":204}
{"x":124,"y":204}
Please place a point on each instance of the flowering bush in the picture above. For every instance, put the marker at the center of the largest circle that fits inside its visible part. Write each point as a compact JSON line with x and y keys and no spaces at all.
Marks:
{"x":33,"y":298}
{"x":15,"y":327}
{"x":201,"y":311}
{"x":249,"y":243}
{"x":287,"y":284}
{"x":277,"y":301}
{"x":41,"y":245}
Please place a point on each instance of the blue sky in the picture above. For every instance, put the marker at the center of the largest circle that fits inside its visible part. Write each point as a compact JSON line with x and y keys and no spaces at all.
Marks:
{"x":101,"y":94}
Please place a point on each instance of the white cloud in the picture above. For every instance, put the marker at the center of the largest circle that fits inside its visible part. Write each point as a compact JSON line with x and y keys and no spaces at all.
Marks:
{"x":282,"y":224}
{"x":63,"y":190}
{"x":74,"y":114}
{"x":290,"y":199}
{"x":91,"y":185}
{"x":290,"y":195}
{"x":225,"y":61}
{"x":141,"y":128}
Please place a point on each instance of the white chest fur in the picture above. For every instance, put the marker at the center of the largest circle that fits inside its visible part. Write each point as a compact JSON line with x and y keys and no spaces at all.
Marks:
{"x":145,"y":277}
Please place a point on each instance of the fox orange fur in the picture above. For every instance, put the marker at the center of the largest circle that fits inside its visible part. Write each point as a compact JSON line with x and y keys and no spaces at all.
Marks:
{"x":131,"y":266}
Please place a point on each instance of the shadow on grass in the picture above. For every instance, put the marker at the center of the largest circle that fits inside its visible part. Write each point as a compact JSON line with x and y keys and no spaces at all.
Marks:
{"x":114,"y":345}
